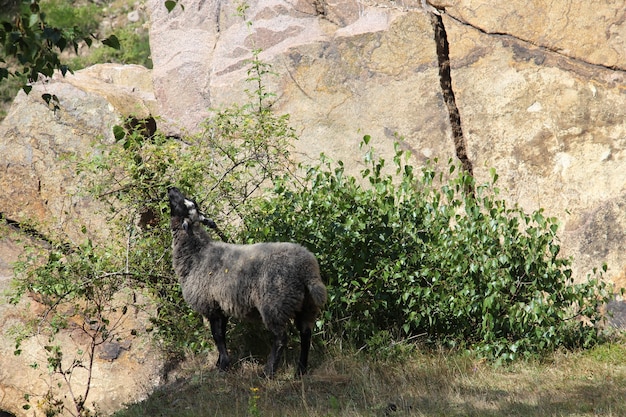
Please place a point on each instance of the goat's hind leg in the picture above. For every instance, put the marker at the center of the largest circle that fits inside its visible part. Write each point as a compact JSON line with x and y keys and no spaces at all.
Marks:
{"x":304,"y":327}
{"x":218,"y":328}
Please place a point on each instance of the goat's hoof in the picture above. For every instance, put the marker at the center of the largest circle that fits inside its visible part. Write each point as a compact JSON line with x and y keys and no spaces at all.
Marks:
{"x":223,"y":365}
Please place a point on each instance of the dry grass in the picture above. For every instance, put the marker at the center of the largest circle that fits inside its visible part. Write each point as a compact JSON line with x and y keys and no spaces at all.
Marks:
{"x":591,"y":383}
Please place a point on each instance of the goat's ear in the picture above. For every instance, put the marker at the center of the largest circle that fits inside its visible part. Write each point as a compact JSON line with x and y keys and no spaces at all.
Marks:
{"x":208,"y":222}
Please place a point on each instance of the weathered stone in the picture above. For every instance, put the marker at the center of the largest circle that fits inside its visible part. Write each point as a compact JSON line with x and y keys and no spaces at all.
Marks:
{"x":128,"y":88}
{"x":110,"y":351}
{"x":379,"y":83}
{"x":133,"y":16}
{"x":209,"y":67}
{"x":338,"y":77}
{"x":37,"y":181}
{"x":593,"y":33}
{"x":183,"y":66}
{"x":553,"y":127}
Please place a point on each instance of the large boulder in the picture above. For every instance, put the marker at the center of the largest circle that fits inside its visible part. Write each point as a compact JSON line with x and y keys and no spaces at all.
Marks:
{"x":39,"y":139}
{"x":550,"y":116}
{"x":37,"y":183}
{"x":343,"y":69}
{"x":539,"y":90}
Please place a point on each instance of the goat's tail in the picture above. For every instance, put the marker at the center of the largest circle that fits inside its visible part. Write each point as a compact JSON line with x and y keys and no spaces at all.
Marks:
{"x":317,"y":291}
{"x":313,"y":281}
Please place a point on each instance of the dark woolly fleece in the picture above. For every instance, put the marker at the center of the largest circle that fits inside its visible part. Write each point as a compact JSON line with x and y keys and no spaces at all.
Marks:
{"x":276,"y":281}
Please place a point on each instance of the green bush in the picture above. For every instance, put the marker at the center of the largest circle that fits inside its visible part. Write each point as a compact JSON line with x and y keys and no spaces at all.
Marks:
{"x":79,"y":293}
{"x":71,"y":16}
{"x":413,"y":255}
{"x":241,"y":149}
{"x":134,"y":48}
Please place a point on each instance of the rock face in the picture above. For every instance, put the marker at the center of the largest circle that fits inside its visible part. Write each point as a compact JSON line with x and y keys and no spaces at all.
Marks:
{"x":542,"y":99}
{"x":594,"y":35}
{"x":541,"y":91}
{"x":344,"y":69}
{"x":36,"y":183}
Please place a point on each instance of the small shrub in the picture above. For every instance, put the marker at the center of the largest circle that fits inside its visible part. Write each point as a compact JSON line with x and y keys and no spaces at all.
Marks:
{"x":78,"y":296}
{"x":416,"y":255}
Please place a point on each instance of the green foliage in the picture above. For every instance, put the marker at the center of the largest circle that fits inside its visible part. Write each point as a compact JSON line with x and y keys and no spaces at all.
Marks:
{"x":33,"y":45}
{"x":612,"y":354}
{"x":240,"y":150}
{"x":171,"y":4}
{"x":409,"y":255}
{"x":8,"y":89}
{"x":130,"y":46}
{"x":83,"y":18}
{"x":79,"y":296}
{"x":253,"y":406}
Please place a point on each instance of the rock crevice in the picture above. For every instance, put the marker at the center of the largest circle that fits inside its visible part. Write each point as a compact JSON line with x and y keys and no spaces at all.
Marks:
{"x":445,"y":81}
{"x":554,"y":50}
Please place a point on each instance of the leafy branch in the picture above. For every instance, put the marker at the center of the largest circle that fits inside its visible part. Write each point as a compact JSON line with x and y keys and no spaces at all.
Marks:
{"x":76,"y":296}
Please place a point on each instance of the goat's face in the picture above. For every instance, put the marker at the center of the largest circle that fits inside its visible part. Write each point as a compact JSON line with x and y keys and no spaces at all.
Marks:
{"x":186,"y":209}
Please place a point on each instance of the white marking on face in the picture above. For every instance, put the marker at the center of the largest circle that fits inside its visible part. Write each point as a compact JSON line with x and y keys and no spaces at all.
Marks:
{"x":192,"y":208}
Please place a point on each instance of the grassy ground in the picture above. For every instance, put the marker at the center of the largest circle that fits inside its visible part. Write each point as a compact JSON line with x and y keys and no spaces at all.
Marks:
{"x":591,"y":383}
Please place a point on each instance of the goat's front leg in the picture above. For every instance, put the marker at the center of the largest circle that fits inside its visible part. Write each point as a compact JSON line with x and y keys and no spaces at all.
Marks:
{"x":280,"y":341}
{"x":218,"y":328}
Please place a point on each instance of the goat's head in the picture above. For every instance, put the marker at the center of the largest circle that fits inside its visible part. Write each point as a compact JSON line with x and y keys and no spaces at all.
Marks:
{"x":187,"y":210}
